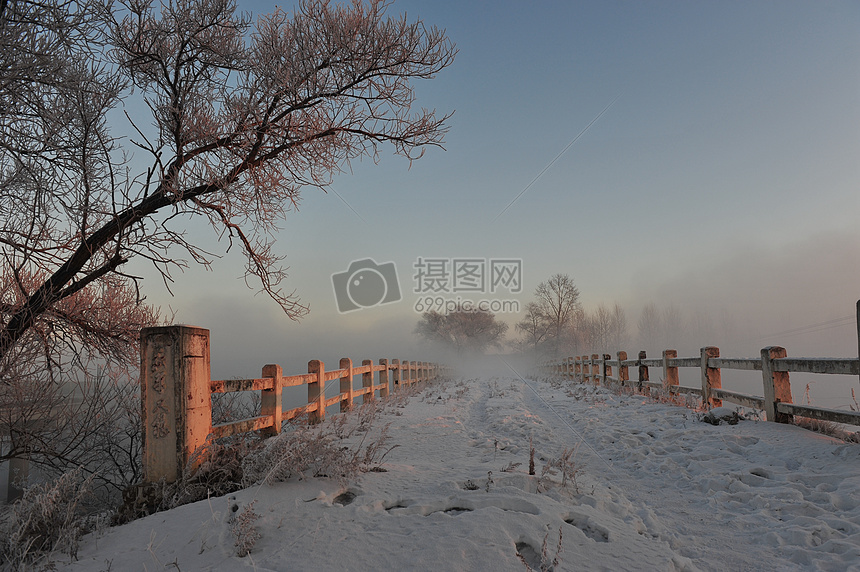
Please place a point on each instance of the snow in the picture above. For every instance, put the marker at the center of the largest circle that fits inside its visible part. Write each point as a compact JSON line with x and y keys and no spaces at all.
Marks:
{"x":658,"y":489}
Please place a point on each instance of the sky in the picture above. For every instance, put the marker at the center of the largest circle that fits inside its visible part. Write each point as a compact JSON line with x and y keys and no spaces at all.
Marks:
{"x":702,"y":155}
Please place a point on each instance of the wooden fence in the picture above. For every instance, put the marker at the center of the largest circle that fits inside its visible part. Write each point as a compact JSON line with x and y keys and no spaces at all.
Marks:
{"x":176,"y":393}
{"x":774,"y":366}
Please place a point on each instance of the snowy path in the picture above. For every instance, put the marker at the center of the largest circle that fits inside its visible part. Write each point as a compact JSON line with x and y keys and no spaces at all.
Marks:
{"x":659,"y":491}
{"x":733,"y":497}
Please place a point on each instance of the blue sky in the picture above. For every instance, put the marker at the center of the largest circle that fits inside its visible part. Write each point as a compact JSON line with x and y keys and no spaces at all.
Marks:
{"x":724,"y":177}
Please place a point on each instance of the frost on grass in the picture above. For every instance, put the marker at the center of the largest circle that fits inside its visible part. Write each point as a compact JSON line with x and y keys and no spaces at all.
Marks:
{"x":340,"y":449}
{"x":244,"y":531}
{"x":542,"y":562}
{"x":50,"y":519}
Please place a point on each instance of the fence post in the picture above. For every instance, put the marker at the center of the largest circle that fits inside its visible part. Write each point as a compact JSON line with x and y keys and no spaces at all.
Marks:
{"x":710,"y":377}
{"x":316,"y":391}
{"x":176,"y":401}
{"x":367,"y":381}
{"x":346,"y":385}
{"x":623,"y":372}
{"x":670,"y":373}
{"x":607,"y":370}
{"x":595,"y":369}
{"x":270,"y":399}
{"x":777,"y":388}
{"x":384,"y":378}
{"x":577,"y":369}
{"x":395,"y":364}
{"x":643,"y":370}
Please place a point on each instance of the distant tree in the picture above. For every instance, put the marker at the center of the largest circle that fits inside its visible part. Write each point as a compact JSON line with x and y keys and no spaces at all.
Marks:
{"x":618,"y":328}
{"x":558,"y":300}
{"x":463,"y":331}
{"x":673,"y":326}
{"x":535,"y":328}
{"x":600,"y":322}
{"x":649,"y":327}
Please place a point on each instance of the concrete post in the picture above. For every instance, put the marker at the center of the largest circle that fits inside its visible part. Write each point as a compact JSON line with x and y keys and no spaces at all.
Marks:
{"x":710,"y":377}
{"x":316,"y":390}
{"x":176,"y":401}
{"x":670,"y":372}
{"x":643,"y":370}
{"x":346,"y":385}
{"x":367,"y":380}
{"x":384,"y":379}
{"x":777,"y":388}
{"x":270,"y":399}
{"x":395,"y":363}
{"x":623,"y":370}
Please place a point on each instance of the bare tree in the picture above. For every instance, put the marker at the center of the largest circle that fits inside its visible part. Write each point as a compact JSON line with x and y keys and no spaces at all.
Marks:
{"x":649,"y":327}
{"x":242,"y":121}
{"x":618,"y":328}
{"x":558,"y":299}
{"x":601,"y":329}
{"x":242,"y":118}
{"x":535,"y":328}
{"x":462,"y":331}
{"x":673,"y":326}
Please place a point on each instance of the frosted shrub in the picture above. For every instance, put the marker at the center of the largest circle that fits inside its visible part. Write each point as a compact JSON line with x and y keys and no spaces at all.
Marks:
{"x":321,"y":450}
{"x":244,"y":530}
{"x":49,"y":519}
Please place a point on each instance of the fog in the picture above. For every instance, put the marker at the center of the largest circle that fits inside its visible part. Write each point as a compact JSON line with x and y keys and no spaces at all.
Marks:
{"x":756,"y":296}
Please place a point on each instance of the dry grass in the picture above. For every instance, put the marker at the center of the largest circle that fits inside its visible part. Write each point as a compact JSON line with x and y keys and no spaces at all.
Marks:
{"x":49,"y":520}
{"x":243,"y":529}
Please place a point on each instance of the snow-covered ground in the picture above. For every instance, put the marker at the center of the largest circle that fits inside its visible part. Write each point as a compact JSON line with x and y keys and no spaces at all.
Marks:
{"x":658,"y":489}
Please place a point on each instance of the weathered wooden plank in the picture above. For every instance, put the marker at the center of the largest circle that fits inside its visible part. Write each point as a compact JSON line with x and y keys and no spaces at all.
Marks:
{"x":295,"y":380}
{"x":837,"y":416}
{"x":334,"y":400}
{"x":297,"y":411}
{"x":685,"y":389}
{"x":231,"y":385}
{"x":651,"y":362}
{"x":243,"y":426}
{"x":335,"y":374}
{"x":685,"y":362}
{"x":843,"y":366}
{"x":358,"y":370}
{"x":748,"y":364}
{"x":739,"y":398}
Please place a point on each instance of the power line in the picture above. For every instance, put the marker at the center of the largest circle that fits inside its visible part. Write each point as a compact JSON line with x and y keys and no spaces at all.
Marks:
{"x":817,"y":327}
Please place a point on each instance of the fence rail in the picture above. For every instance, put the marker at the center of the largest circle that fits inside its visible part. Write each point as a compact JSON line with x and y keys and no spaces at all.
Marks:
{"x":176,"y":393}
{"x":774,"y":365}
